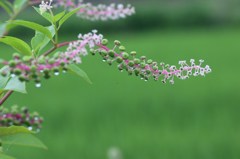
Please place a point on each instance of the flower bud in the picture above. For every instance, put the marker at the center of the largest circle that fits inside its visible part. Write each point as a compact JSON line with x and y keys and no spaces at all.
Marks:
{"x":17,"y":71}
{"x":142,"y":65}
{"x":125,"y":55}
{"x":111,"y":53}
{"x":119,"y":59}
{"x":104,"y":42}
{"x":122,"y":48}
{"x":116,"y":42}
{"x":149,"y":61}
{"x":16,"y":55}
{"x":133,"y":53}
{"x":131,"y":63}
{"x":12,"y":63}
{"x":137,"y":61}
{"x":109,"y":61}
{"x":93,"y":51}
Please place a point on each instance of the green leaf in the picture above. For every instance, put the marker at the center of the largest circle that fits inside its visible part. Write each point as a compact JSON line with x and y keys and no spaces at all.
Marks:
{"x":16,"y":85}
{"x":5,"y":5}
{"x":18,"y":5}
{"x":59,"y":16}
{"x":23,"y":139}
{"x":3,"y":156}
{"x":76,"y":70}
{"x":13,"y":130}
{"x":3,"y":80}
{"x":45,"y":15}
{"x":40,"y":40}
{"x":67,"y":16}
{"x":17,"y":44}
{"x":33,"y":26}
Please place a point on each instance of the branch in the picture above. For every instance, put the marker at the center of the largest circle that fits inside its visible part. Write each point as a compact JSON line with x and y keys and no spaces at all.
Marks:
{"x":5,"y":97}
{"x":56,"y":47}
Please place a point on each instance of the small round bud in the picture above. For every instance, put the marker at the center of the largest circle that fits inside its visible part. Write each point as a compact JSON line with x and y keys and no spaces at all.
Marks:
{"x":136,"y":72}
{"x":105,"y":42}
{"x":136,"y":61}
{"x":142,"y":65}
{"x":111,"y":53}
{"x":149,"y":61}
{"x":21,"y":78}
{"x":4,"y":74}
{"x":51,"y":61}
{"x":122,"y":48}
{"x":109,"y":61}
{"x":46,"y":71}
{"x":33,"y":68}
{"x":131,"y":63}
{"x":133,"y":53}
{"x":125,"y":55}
{"x":41,"y":60}
{"x":92,"y":51}
{"x":103,"y":53}
{"x":143,"y":58}
{"x":12,"y":63}
{"x":34,"y":75}
{"x":46,"y":76}
{"x":130,"y":72}
{"x":155,"y":68}
{"x":16,"y":55}
{"x":119,"y":59}
{"x":116,"y":42}
{"x":27,"y":58}
{"x":148,"y":71}
{"x":17,"y":71}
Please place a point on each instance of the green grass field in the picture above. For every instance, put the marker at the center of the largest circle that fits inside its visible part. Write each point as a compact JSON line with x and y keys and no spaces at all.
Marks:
{"x":193,"y":119}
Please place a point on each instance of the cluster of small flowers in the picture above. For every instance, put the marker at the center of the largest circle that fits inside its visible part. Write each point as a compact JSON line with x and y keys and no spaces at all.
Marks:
{"x":23,"y":117}
{"x":98,"y":12}
{"x":146,"y":68}
{"x":29,"y":68}
{"x":44,"y":6}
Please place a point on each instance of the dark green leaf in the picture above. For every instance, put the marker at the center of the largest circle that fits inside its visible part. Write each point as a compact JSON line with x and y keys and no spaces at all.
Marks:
{"x":23,"y":139}
{"x":67,"y":16}
{"x":33,"y":26}
{"x":76,"y":70}
{"x":17,"y":44}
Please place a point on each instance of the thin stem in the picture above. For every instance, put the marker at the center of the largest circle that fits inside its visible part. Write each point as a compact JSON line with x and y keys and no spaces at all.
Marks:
{"x":5,"y":97}
{"x":56,"y":47}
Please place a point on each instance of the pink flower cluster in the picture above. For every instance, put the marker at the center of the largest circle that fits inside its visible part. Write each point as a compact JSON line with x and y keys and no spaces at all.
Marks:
{"x":146,"y":68}
{"x":23,"y":117}
{"x":30,"y":68}
{"x":98,"y":12}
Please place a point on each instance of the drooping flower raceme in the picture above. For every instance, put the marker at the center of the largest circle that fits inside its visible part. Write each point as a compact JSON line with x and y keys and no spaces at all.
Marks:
{"x":44,"y":66}
{"x":98,"y":12}
{"x":23,"y":117}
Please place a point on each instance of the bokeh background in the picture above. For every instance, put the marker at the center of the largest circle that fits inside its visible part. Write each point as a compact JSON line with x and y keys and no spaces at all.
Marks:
{"x":118,"y":114}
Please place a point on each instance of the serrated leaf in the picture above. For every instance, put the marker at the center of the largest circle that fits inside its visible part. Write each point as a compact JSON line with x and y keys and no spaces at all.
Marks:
{"x":18,"y":4}
{"x":39,"y":41}
{"x":16,"y":85}
{"x":67,"y":16}
{"x":13,"y":130}
{"x":17,"y":44}
{"x":59,"y":16}
{"x":33,"y":26}
{"x":45,"y":15}
{"x":76,"y":70}
{"x":23,"y":139}
{"x":3,"y":156}
{"x":5,"y":5}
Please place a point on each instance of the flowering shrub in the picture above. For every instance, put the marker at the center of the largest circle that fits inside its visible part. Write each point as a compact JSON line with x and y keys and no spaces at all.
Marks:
{"x":30,"y":63}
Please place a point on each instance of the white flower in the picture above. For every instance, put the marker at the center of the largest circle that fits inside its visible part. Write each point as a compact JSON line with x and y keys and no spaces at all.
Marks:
{"x":44,"y":6}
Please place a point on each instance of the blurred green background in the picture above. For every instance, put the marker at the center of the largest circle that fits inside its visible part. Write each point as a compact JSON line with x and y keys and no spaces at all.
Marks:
{"x":193,"y":119}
